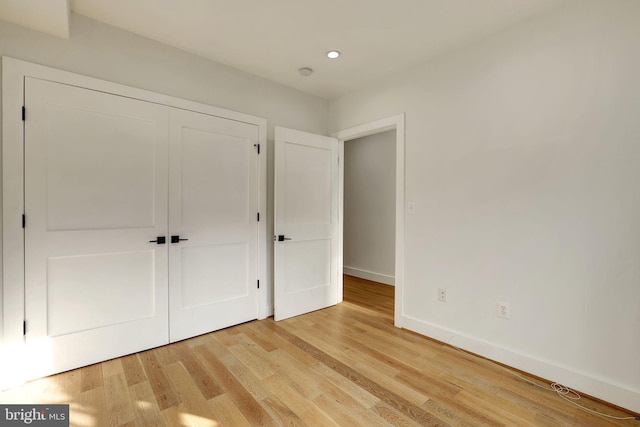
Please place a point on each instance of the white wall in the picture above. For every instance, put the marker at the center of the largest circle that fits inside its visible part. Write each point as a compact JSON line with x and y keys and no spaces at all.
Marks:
{"x":107,"y":53}
{"x":369,"y":207}
{"x":522,"y":157}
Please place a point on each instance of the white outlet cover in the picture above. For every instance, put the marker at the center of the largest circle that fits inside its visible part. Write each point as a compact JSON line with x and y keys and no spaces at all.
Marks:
{"x":504,"y":310}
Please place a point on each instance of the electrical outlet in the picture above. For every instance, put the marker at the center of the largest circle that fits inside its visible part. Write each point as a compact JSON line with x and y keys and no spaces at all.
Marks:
{"x":442,"y":295}
{"x":504,"y":310}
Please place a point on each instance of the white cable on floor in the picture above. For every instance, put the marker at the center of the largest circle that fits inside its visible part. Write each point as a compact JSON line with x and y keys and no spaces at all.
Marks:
{"x":562,"y":391}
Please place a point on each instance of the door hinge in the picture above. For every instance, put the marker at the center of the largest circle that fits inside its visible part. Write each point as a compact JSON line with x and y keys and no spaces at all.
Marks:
{"x":258,"y":284}
{"x":258,"y":216}
{"x":24,"y":220}
{"x":257,"y":147}
{"x":24,"y":327}
{"x":24,"y":113}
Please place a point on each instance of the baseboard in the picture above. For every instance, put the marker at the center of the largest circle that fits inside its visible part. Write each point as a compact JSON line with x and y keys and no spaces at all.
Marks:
{"x":579,"y":381}
{"x":369,"y":275}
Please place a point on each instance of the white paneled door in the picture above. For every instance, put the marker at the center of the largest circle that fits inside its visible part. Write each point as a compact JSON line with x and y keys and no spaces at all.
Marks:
{"x":306,"y":222}
{"x":141,"y":225}
{"x":95,"y":195}
{"x":212,"y":222}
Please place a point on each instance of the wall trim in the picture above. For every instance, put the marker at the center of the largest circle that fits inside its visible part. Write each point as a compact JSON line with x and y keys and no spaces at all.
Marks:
{"x":579,"y":381}
{"x":370,"y":275}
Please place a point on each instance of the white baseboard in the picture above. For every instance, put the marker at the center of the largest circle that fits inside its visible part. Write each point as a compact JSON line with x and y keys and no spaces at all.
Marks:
{"x":579,"y":381}
{"x":369,"y":275}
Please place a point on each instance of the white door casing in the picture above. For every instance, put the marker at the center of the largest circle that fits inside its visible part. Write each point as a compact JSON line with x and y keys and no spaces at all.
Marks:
{"x":95,"y":195}
{"x":213,"y":202}
{"x":305,"y":222}
{"x":389,"y":123}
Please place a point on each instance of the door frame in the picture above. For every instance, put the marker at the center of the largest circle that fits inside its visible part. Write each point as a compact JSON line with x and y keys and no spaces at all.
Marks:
{"x":12,"y":295}
{"x":396,"y":123}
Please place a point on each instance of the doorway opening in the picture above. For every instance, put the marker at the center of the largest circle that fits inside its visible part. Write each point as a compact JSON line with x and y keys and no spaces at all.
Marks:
{"x":369,"y":207}
{"x":372,"y":243}
{"x":369,"y":222}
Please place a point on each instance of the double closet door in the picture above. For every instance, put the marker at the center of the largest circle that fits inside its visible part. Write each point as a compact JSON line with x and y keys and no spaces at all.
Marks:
{"x":140,"y":225}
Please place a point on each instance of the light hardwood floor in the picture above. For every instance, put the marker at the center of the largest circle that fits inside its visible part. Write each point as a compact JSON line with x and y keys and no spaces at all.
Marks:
{"x":343,"y":366}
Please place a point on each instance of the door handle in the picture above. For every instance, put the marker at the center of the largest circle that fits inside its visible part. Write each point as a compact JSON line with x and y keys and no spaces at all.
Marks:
{"x":161,"y":240}
{"x":176,"y":239}
{"x":282,"y":238}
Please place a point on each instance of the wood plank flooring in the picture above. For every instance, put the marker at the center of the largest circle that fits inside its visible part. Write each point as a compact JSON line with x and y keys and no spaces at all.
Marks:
{"x":343,"y":366}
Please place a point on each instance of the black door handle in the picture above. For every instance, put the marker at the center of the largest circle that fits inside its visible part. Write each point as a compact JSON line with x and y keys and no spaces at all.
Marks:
{"x":161,"y":240}
{"x":281,"y":238}
{"x":176,"y":239}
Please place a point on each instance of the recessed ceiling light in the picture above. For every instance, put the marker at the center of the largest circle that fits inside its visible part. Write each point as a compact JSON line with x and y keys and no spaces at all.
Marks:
{"x":333,"y":54}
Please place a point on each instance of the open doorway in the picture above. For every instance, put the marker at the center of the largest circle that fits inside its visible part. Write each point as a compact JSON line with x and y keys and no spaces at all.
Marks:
{"x":369,"y":207}
{"x":385,"y":263}
{"x":369,"y":222}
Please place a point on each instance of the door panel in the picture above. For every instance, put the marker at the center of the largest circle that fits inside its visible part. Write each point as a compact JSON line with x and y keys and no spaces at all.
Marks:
{"x":306,"y":215}
{"x":122,"y":298}
{"x":100,"y":169}
{"x":307,"y":185}
{"x":95,"y":195}
{"x":213,"y":204}
{"x":308,"y":265}
{"x":214,"y":262}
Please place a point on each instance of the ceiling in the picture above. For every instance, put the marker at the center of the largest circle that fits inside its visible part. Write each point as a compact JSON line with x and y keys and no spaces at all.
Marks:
{"x":274,"y":38}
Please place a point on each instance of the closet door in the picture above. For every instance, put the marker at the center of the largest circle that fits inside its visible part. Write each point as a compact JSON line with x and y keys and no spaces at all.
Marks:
{"x":95,"y":196}
{"x":213,"y":205}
